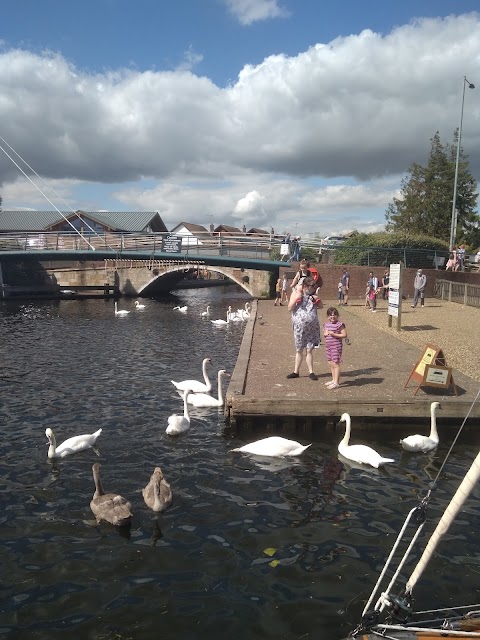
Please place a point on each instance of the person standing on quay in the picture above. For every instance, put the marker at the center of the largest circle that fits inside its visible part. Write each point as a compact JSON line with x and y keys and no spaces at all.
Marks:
{"x":284,"y":289}
{"x":419,"y":285}
{"x":278,"y":293}
{"x":372,"y":290}
{"x":334,"y":332}
{"x":345,"y":285}
{"x":385,"y":281}
{"x":303,"y":304}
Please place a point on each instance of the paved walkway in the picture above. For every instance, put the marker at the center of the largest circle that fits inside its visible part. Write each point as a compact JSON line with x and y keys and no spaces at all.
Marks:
{"x":376,"y":364}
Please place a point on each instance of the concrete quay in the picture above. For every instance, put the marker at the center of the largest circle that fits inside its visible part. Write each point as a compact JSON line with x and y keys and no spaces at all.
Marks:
{"x":375,"y":368}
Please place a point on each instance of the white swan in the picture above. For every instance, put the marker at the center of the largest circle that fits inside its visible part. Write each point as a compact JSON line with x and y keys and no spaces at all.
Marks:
{"x":177,"y":423}
{"x":424,"y":443}
{"x":181,"y":309}
{"x":196,"y":386}
{"x":220,"y":323}
{"x":274,"y":446}
{"x":139,"y":306}
{"x":71,"y":445}
{"x":120,"y":312}
{"x":244,"y":314}
{"x":359,"y":452}
{"x":110,"y":507}
{"x":206,"y":313}
{"x":157,"y":494}
{"x":204,"y":400}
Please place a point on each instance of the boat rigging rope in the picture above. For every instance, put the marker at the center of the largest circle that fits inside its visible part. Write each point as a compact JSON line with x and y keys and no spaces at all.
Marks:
{"x":51,"y":189}
{"x":418,"y":513}
{"x":433,"y":484}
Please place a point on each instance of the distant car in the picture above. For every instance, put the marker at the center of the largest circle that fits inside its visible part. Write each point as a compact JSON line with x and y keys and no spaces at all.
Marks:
{"x":333,"y":240}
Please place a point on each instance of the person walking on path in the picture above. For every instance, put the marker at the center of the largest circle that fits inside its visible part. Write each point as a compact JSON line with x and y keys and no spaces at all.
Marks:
{"x":278,"y":293}
{"x":303,"y":304}
{"x":284,"y":289}
{"x":296,"y":248}
{"x":345,"y":285}
{"x":340,"y":292}
{"x":385,"y":281}
{"x":334,"y":332}
{"x":419,"y":285}
{"x":372,"y":290}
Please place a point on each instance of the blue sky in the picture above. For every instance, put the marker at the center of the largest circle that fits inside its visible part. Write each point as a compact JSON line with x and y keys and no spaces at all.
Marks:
{"x":298,"y":114}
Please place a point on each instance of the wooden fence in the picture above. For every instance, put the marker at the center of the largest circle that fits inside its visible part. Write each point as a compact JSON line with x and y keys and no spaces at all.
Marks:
{"x":462,"y":292}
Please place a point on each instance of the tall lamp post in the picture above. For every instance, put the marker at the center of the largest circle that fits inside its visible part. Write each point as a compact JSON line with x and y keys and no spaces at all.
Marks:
{"x":453,"y":226}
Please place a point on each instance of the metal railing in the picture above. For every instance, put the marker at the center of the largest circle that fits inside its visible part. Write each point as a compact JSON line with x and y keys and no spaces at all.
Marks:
{"x":246,"y":246}
{"x":461,"y":292}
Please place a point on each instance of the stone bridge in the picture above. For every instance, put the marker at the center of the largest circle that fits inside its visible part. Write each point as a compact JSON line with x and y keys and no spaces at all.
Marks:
{"x":154,"y":277}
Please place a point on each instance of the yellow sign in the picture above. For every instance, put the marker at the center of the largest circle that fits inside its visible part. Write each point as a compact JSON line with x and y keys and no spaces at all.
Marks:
{"x":427,"y":358}
{"x":430,"y":370}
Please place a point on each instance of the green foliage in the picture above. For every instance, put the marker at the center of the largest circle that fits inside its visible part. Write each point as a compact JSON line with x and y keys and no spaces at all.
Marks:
{"x":309,"y":254}
{"x":425,"y":204}
{"x":381,"y":249}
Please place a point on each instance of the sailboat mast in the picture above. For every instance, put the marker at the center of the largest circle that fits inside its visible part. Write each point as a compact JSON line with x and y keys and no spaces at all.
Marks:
{"x":456,"y":503}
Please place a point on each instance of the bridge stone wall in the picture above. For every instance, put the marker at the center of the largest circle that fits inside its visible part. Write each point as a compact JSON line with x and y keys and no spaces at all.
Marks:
{"x":145,"y":277}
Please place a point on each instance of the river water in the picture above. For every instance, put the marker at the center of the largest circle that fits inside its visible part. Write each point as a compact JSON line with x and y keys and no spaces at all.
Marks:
{"x":251,"y":548}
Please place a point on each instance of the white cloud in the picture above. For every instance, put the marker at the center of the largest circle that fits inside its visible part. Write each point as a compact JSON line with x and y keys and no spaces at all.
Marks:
{"x":249,"y":11}
{"x":323,"y":138}
{"x":190,"y":60}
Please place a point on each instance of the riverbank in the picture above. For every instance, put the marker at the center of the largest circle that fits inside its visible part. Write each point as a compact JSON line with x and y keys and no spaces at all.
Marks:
{"x":376,"y":366}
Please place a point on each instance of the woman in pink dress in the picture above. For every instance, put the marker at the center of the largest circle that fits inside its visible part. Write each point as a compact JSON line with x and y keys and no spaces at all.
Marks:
{"x":334,"y":332}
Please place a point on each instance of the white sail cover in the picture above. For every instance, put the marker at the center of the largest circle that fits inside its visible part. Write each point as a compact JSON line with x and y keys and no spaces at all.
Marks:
{"x":448,"y":517}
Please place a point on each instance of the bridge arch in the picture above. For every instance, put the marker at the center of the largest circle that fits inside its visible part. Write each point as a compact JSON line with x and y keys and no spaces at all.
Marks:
{"x":174,"y":273}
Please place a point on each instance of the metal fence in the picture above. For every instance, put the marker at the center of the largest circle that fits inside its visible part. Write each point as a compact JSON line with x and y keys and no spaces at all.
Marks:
{"x":462,"y":292}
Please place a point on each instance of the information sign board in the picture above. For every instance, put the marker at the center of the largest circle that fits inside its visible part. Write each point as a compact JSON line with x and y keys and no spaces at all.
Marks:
{"x":172,"y":244}
{"x":431,"y":370}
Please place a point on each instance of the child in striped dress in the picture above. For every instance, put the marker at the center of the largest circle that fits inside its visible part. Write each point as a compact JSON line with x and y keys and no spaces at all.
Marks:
{"x":334,"y":332}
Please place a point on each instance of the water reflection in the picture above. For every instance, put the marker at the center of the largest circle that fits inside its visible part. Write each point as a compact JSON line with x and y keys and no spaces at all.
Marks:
{"x":199,"y":570}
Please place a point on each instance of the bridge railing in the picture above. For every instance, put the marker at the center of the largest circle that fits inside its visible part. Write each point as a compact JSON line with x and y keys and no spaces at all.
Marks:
{"x":245,"y":245}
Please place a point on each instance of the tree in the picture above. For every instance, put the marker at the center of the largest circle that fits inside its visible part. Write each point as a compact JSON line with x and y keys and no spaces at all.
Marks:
{"x":425,"y":205}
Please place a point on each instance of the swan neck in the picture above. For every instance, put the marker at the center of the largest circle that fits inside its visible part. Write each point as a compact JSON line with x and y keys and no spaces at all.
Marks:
{"x":346,"y":437}
{"x":220,"y":389}
{"x":98,"y":483}
{"x":433,"y":424}
{"x":53,"y":446}
{"x":185,"y":404}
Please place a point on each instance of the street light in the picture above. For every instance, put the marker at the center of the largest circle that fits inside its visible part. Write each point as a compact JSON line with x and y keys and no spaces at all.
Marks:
{"x":453,"y":227}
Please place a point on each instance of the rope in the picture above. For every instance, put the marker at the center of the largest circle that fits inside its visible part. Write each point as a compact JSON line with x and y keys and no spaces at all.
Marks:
{"x":51,"y":189}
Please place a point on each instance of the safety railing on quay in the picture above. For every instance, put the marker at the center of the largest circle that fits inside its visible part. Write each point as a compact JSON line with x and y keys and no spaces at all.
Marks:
{"x":461,"y":292}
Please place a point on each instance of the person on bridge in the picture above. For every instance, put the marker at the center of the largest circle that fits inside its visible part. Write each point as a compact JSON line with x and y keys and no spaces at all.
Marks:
{"x":303,"y":304}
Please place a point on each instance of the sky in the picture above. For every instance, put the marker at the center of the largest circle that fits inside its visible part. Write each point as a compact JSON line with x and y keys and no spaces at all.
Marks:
{"x":301,"y":115}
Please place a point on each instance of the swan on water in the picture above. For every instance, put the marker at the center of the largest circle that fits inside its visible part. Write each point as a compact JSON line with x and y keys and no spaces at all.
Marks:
{"x":120,"y":312}
{"x":195,"y":386}
{"x":71,"y":445}
{"x":274,"y":446}
{"x":139,"y":306}
{"x":181,"y":309}
{"x":244,"y":314}
{"x":359,"y":452}
{"x":204,"y":400}
{"x":157,"y":494}
{"x":178,"y":423}
{"x":220,"y":323}
{"x":206,"y":313}
{"x":110,"y":507}
{"x":424,"y":443}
